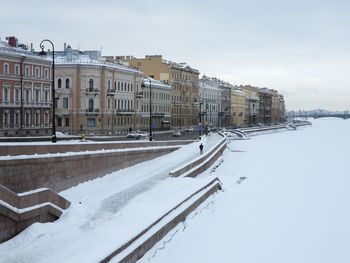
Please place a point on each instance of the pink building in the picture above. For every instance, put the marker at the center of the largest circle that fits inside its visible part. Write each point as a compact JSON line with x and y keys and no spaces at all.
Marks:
{"x":25,"y":91}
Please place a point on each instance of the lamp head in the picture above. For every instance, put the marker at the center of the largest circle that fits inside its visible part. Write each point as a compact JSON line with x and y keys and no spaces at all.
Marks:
{"x":42,"y":53}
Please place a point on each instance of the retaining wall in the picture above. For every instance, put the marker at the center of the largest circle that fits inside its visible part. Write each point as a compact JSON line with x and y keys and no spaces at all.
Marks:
{"x":14,"y":150}
{"x":62,"y":172}
{"x":201,"y":164}
{"x":17,"y":212}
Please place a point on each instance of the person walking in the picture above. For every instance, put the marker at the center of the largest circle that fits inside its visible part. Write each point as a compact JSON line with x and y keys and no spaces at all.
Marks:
{"x":201,"y":148}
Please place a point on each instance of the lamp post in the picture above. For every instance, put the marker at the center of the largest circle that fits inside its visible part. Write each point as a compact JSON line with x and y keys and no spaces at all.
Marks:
{"x":43,"y":53}
{"x":150,"y":105}
{"x":200,"y":102}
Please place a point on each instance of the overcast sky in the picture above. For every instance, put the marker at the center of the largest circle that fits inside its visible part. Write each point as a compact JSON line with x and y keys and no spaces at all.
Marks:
{"x":300,"y":48}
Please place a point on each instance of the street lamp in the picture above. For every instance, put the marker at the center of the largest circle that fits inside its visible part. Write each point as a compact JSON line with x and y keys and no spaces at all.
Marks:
{"x":43,"y":53}
{"x":150,"y":104}
{"x":200,"y":102}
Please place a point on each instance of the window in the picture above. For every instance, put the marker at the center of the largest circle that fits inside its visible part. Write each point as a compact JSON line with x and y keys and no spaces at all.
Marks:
{"x":37,"y":72}
{"x":27,"y":71}
{"x":67,"y":122}
{"x":6,"y":120}
{"x":27,"y":118}
{"x":67,"y":83}
{"x":91,"y":122}
{"x":17,"y":72}
{"x":91,"y":105}
{"x":59,"y":83}
{"x":46,"y":96}
{"x":37,"y":95}
{"x":5,"y":92}
{"x":91,"y":85}
{"x":37,"y":118}
{"x":65,"y":103}
{"x":109,"y":84}
{"x":118,"y":85}
{"x":59,"y":121}
{"x":16,"y":118}
{"x":27,"y":95}
{"x":6,"y":68}
{"x":46,"y":73}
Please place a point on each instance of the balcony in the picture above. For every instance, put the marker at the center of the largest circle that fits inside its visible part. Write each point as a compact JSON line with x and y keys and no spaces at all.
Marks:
{"x":158,"y":114}
{"x":92,"y":111}
{"x":92,"y":92}
{"x":110,"y":92}
{"x":127,"y":112}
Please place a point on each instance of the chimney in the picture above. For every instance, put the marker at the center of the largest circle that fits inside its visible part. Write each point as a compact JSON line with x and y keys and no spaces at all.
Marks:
{"x":64,"y":46}
{"x":31,"y":47}
{"x":12,"y":41}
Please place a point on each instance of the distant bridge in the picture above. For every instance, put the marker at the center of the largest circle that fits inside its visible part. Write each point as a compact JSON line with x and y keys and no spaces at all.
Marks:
{"x":336,"y":115}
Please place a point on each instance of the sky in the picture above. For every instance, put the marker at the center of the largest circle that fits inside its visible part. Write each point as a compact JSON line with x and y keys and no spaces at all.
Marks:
{"x":300,"y":48}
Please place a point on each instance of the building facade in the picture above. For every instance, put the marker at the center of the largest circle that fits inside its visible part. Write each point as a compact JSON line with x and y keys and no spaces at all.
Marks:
{"x":183,"y":81}
{"x":96,"y":97}
{"x":252,"y":104}
{"x":161,"y":104}
{"x":210,"y":96}
{"x":238,"y":106}
{"x":25,"y":91}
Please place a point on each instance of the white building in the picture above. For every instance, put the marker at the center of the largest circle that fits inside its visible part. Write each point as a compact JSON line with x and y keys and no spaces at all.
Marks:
{"x":161,"y":104}
{"x":210,"y":101}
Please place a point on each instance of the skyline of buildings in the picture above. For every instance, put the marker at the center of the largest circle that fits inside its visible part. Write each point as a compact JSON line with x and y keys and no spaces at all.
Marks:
{"x":98,"y":94}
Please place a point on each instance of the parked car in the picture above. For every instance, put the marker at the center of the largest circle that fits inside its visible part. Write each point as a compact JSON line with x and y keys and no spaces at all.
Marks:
{"x":176,"y":133}
{"x":137,"y":135}
{"x":189,"y":129}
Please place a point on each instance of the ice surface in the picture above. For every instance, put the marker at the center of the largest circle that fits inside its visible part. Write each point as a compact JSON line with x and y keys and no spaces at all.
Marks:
{"x":292,"y":205}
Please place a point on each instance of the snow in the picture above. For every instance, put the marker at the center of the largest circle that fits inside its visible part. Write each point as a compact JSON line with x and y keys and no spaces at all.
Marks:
{"x":108,"y":211}
{"x":292,"y":205}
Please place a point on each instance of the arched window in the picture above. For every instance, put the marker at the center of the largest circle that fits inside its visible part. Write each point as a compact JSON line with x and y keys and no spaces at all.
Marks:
{"x":59,"y":83}
{"x":6,"y":94}
{"x":16,"y":95}
{"x":91,"y":85}
{"x":67,"y":83}
{"x":91,"y":105}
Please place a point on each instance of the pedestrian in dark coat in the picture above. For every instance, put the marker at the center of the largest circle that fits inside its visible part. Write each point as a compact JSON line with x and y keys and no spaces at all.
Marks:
{"x":201,"y":148}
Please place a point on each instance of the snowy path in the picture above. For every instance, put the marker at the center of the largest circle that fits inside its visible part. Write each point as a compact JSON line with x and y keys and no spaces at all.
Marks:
{"x":107,"y":210}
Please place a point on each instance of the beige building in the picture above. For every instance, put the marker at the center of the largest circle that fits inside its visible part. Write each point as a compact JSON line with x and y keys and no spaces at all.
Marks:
{"x":96,"y":97}
{"x":183,"y":81}
{"x":275,"y":107}
{"x":238,"y":106}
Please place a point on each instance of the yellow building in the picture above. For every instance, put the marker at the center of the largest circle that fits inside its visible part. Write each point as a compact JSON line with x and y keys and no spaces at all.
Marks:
{"x":238,"y":106}
{"x":184,"y":85}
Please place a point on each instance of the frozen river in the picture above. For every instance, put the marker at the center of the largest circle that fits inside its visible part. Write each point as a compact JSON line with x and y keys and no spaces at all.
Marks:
{"x":292,"y":207}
